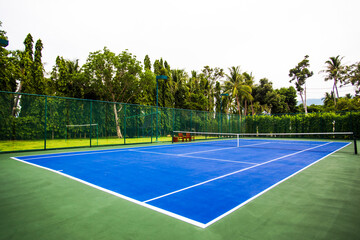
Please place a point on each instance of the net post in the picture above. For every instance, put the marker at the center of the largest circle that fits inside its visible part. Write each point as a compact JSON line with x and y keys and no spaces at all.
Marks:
{"x":238,"y":140}
{"x":355,"y":146}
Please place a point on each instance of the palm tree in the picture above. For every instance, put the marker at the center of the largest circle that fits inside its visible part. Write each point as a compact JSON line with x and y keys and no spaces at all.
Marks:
{"x":249,"y":80}
{"x":236,"y":87}
{"x":334,"y":71}
{"x":327,"y":99}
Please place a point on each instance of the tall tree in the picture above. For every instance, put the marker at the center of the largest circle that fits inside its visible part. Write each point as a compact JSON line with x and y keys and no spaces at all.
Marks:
{"x":147,"y":63}
{"x":264,"y":88}
{"x":353,"y":72}
{"x":335,"y":72}
{"x":114,"y":77}
{"x":180,"y":78}
{"x":31,"y":71}
{"x":299,"y":74}
{"x":9,"y":70}
{"x":249,"y":80}
{"x":166,"y":87}
{"x":38,"y":69}
{"x":27,"y":59}
{"x":328,"y":99}
{"x":217,"y":96}
{"x":148,"y":88}
{"x":68,"y":80}
{"x":289,"y":99}
{"x":197,"y":98}
{"x":236,"y":87}
{"x":212,"y":75}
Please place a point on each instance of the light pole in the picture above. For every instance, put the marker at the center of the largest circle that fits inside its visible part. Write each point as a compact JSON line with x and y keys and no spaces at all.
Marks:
{"x":221,"y":95}
{"x":157,"y":102}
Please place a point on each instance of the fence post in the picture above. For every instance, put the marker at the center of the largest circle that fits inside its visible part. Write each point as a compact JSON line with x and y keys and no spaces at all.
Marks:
{"x":45,"y":124}
{"x":190,"y":120}
{"x":125,"y":124}
{"x":90,"y":121}
{"x":173,"y":125}
{"x":152,"y":126}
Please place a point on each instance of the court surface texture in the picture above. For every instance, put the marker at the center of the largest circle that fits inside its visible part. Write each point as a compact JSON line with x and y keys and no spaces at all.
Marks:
{"x":199,"y":182}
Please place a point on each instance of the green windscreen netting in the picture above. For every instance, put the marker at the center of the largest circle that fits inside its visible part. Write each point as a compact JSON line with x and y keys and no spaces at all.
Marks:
{"x":34,"y":122}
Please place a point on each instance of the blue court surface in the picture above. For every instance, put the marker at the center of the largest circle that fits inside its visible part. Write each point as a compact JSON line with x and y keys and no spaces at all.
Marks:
{"x":199,"y":183}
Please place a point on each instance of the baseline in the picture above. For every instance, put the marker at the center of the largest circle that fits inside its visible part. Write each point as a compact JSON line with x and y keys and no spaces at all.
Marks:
{"x":160,"y":210}
{"x":53,"y":155}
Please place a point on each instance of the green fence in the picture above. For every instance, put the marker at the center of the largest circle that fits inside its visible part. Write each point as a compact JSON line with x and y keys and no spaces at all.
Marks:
{"x":36,"y":122}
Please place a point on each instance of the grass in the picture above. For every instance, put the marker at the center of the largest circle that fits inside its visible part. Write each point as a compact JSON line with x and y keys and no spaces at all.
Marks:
{"x":21,"y":145}
{"x":321,"y":202}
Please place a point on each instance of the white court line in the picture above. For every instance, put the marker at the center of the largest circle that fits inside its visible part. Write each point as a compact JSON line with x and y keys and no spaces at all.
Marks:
{"x":53,"y":155}
{"x":232,"y":173}
{"x":179,"y":155}
{"x":174,"y":215}
{"x":269,"y":188}
{"x":218,"y":149}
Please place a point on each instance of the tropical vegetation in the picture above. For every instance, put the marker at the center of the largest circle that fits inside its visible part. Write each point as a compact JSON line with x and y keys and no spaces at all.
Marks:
{"x":123,"y":78}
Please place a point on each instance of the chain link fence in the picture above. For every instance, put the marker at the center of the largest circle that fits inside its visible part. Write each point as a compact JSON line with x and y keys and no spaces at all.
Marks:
{"x":37,"y":122}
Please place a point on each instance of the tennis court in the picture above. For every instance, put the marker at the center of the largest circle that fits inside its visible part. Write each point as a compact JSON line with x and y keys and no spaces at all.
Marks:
{"x":196,"y":182}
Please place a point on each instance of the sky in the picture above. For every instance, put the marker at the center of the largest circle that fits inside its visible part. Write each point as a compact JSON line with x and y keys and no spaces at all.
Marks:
{"x":265,"y":38}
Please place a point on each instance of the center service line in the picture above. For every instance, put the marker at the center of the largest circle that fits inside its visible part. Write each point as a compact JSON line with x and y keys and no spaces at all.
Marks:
{"x":232,"y":173}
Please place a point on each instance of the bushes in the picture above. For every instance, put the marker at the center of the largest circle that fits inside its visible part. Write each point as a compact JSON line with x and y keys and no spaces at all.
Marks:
{"x":29,"y":120}
{"x":304,"y":123}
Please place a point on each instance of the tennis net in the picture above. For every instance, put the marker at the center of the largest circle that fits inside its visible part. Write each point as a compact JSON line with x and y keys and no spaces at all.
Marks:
{"x":325,"y":141}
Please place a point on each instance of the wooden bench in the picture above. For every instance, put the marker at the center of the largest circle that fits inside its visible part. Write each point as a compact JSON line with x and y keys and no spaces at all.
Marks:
{"x":188,"y":136}
{"x":182,"y":137}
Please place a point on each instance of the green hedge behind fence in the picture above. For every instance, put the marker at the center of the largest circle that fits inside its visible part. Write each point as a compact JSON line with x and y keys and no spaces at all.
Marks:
{"x":44,"y":122}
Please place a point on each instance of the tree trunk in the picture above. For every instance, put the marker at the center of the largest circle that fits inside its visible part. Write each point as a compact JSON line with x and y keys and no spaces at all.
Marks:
{"x":118,"y":130}
{"x":334,"y":94}
{"x":304,"y":103}
{"x":335,"y":85}
{"x":252,"y":108}
{"x":245,"y":113}
{"x":238,"y":104}
{"x":17,"y":97}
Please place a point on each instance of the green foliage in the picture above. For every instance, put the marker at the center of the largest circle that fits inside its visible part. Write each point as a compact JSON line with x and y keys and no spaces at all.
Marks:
{"x":113,"y":77}
{"x":238,"y":89}
{"x":147,"y":63}
{"x":335,"y":71}
{"x":353,"y":76}
{"x":304,"y":123}
{"x":290,"y":101}
{"x":67,"y":80}
{"x":9,"y":71}
{"x":166,"y":87}
{"x":148,"y":88}
{"x":299,"y":74}
{"x":138,"y":121}
{"x":121,"y":78}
